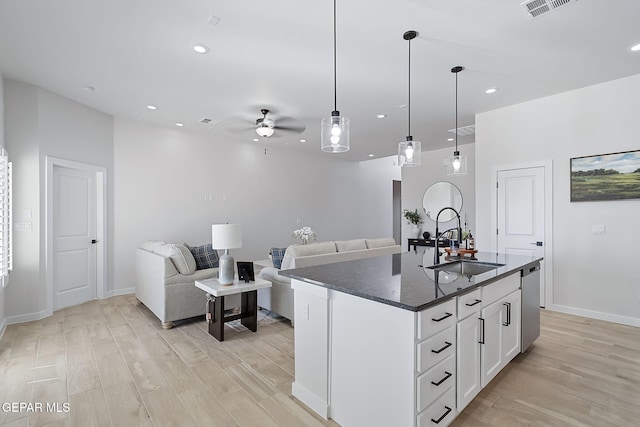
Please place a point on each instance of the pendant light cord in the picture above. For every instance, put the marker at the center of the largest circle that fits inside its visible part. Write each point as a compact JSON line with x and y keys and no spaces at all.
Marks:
{"x":335,"y":72}
{"x":456,"y":112}
{"x":409,"y":104}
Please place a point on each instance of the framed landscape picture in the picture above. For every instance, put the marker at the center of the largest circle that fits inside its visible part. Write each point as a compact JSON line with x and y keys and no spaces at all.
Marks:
{"x":613,"y":176}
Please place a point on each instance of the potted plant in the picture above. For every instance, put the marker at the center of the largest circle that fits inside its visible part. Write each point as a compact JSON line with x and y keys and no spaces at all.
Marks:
{"x":413,"y":218}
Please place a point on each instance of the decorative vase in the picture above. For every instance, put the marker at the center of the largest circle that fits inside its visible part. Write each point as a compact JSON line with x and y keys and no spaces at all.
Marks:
{"x":414,"y":230}
{"x":305,"y":240}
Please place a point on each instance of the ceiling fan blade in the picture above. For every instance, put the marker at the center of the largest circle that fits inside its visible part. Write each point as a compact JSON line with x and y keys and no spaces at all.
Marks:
{"x":289,"y":124}
{"x":291,"y":129}
{"x":236,"y":125}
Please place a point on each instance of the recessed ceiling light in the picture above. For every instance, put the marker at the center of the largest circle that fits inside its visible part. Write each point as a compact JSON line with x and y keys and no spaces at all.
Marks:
{"x":381,"y":116}
{"x":635,"y":48}
{"x":491,"y":90}
{"x":370,"y":155}
{"x":151,"y":107}
{"x":450,"y":139}
{"x":201,"y":49}
{"x":179,"y":124}
{"x":303,"y":140}
{"x":255,"y":140}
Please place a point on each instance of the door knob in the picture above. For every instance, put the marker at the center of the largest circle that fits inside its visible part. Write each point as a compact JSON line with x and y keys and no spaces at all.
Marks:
{"x":94,"y":241}
{"x":536,"y":243}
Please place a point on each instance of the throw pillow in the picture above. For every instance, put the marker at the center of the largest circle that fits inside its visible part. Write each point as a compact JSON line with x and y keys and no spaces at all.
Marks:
{"x":205,"y":256}
{"x":276,"y":256}
{"x":180,"y":255}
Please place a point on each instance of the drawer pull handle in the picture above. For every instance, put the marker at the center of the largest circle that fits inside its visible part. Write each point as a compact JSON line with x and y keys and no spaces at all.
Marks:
{"x":446,"y":346}
{"x":478,"y":301}
{"x":447,"y":315}
{"x":446,"y":377}
{"x":442,"y":416}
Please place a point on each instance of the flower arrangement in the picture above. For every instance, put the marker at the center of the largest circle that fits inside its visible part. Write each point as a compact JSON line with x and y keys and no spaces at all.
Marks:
{"x":305,"y":234}
{"x":412,"y":217}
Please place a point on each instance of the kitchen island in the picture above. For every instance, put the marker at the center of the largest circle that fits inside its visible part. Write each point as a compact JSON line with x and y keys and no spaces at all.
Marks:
{"x":395,"y":340}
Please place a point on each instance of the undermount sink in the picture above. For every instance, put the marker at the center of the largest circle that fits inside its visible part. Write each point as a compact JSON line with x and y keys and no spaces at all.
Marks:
{"x":467,"y":268}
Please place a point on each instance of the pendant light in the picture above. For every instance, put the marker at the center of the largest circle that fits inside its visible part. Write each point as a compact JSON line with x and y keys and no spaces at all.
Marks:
{"x":335,"y":129}
{"x":457,"y":164}
{"x":409,"y":151}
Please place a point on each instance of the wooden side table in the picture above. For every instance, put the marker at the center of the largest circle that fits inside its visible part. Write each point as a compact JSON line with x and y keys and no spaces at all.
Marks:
{"x":248,"y":305}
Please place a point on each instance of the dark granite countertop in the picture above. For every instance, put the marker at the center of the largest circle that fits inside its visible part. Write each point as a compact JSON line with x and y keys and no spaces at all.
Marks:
{"x":402,"y":280}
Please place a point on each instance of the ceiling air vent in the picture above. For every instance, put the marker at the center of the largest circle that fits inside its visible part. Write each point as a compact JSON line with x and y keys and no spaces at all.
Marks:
{"x":464,"y":130}
{"x":536,"y":8}
{"x":205,"y":120}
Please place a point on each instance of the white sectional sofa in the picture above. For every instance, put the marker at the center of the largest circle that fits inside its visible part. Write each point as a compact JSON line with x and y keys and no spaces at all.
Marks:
{"x":168,"y":293}
{"x":279,"y":298}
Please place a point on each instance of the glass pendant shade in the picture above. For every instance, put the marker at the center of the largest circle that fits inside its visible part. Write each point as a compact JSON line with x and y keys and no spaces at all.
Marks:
{"x":409,"y":152}
{"x":335,"y":133}
{"x":457,"y":164}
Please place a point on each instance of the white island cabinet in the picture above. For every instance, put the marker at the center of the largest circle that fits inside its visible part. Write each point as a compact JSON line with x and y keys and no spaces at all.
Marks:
{"x":362,"y":362}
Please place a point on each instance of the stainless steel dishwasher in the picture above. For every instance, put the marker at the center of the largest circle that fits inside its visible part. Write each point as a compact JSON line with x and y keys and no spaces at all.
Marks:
{"x":530,"y":305}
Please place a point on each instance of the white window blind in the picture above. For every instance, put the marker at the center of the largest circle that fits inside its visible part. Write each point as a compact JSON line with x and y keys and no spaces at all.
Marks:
{"x":6,"y":257}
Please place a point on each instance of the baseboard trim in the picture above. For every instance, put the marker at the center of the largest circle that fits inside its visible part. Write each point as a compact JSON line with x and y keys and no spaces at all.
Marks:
{"x":123,"y":291}
{"x":311,"y":400}
{"x":30,"y":317}
{"x":624,"y":320}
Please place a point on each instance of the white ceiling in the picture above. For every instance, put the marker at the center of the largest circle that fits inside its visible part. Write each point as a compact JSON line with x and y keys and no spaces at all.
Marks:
{"x":279,"y":55}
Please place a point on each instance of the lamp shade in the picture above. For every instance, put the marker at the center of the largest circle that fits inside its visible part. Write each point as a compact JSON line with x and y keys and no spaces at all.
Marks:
{"x":335,"y":133}
{"x":226,"y":236}
{"x":409,"y":153}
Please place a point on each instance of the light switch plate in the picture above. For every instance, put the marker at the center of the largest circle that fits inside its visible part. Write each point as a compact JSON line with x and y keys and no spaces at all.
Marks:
{"x":598,"y":229}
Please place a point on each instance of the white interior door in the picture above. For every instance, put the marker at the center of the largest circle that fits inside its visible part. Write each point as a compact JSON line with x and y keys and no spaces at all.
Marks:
{"x":74,"y":234}
{"x":521,"y":214}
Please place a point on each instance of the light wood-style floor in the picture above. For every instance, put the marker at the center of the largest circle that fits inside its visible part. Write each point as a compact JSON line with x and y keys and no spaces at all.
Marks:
{"x":114,"y":365}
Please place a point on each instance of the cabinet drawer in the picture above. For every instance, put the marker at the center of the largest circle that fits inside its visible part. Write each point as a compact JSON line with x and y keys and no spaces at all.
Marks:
{"x":436,"y":349}
{"x":469,"y":303}
{"x":501,"y":288}
{"x":436,"y":319}
{"x":441,"y":412}
{"x":436,"y":381}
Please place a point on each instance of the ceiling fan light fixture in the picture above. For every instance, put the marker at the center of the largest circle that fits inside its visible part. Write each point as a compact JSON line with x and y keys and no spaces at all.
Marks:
{"x":409,"y":151}
{"x":265,"y":131}
{"x":334,"y":135}
{"x":456,"y":164}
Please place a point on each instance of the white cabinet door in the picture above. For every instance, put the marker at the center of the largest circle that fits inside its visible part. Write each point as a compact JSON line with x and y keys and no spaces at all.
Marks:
{"x":500,"y":336}
{"x":468,"y":362}
{"x":511,"y":327}
{"x":491,"y":338}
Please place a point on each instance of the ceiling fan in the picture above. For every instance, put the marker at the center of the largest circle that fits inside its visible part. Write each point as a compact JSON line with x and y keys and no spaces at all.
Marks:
{"x":267,"y":126}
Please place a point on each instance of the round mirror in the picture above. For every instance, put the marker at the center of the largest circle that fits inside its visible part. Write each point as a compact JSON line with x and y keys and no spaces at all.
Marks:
{"x":441,"y":195}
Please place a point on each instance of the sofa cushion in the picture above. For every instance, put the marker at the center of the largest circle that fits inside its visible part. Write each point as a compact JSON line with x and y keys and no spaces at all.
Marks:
{"x":295,"y":251}
{"x":276,"y":256}
{"x":350,"y":245}
{"x":380,"y":243}
{"x":204,"y":255}
{"x":180,"y":255}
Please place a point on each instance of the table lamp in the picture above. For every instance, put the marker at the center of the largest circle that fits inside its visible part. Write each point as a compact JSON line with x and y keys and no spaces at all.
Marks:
{"x":226,"y":236}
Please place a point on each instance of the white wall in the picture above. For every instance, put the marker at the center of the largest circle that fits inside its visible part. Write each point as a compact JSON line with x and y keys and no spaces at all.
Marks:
{"x":416,"y":180}
{"x":3,"y":317}
{"x":162,"y":175}
{"x":39,"y":124}
{"x":593,"y":275}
